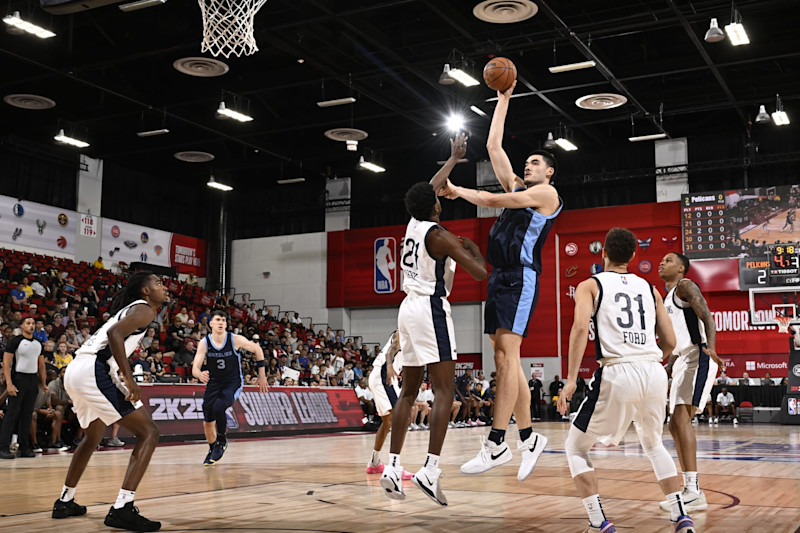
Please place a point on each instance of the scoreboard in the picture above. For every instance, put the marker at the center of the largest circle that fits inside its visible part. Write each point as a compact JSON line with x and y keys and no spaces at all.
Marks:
{"x":705,"y":232}
{"x":779,"y":268}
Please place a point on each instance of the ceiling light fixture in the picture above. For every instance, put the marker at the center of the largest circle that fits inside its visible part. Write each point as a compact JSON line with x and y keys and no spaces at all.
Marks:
{"x":462,"y":77}
{"x":443,"y":161}
{"x":550,"y":142}
{"x":214,"y":184}
{"x":458,"y":67}
{"x":652,"y":137}
{"x":140,"y":4}
{"x":338,"y":101}
{"x":571,"y":66}
{"x":763,"y":116}
{"x":455,"y":123}
{"x":478,"y":111}
{"x":66,"y":139}
{"x":16,"y":21}
{"x":230,"y":113}
{"x":735,"y":29}
{"x":152,"y":133}
{"x":370,"y":166}
{"x":289,"y":181}
{"x":352,"y":146}
{"x":779,"y":116}
{"x":445,"y":78}
{"x":714,"y":34}
{"x":566,"y":144}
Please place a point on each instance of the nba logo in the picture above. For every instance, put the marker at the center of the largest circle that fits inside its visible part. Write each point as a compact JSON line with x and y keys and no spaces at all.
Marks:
{"x":230,"y":418}
{"x":792,"y":406}
{"x":385,"y":250}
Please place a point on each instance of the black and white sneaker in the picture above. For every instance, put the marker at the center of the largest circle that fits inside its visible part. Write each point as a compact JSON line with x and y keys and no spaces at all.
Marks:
{"x":392,"y":483}
{"x":65,"y":509}
{"x":429,"y":484}
{"x":128,"y":517}
{"x":531,"y":449}
{"x":491,"y":455}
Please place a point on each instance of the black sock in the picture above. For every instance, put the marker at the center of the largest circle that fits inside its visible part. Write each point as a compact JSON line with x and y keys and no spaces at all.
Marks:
{"x":525,"y":433}
{"x":221,"y":438}
{"x":498,"y":436}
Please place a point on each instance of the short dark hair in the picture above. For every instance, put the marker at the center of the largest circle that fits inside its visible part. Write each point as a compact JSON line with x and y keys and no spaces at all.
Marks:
{"x":420,"y":200}
{"x":620,"y":245}
{"x":683,"y":259}
{"x":549,"y":159}
{"x":217,"y":312}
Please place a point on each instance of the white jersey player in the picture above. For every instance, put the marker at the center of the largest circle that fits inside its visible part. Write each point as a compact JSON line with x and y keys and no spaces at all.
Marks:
{"x":630,"y":385}
{"x":693,"y":365}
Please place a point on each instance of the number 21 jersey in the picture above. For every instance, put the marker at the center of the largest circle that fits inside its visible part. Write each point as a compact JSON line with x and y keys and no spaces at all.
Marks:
{"x":422,"y":274}
{"x":624,"y":319}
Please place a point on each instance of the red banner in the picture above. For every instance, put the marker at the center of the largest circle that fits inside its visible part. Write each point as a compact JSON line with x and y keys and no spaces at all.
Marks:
{"x":207,"y":300}
{"x":237,"y":313}
{"x":188,"y":255}
{"x":178,"y":409}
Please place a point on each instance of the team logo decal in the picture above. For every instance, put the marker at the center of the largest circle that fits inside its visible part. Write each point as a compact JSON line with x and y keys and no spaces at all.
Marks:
{"x":796,"y":370}
{"x":143,"y":257}
{"x":571,"y":292}
{"x":61,"y":242}
{"x":571,"y":271}
{"x":385,"y":267}
{"x":40,"y":225}
{"x":17,"y":233}
{"x":158,"y":249}
{"x":571,"y":249}
{"x":644,"y":244}
{"x":595,"y":247}
{"x":115,"y":231}
{"x":144,"y":237}
{"x":624,"y":280}
{"x":669,"y":242}
{"x":63,"y":219}
{"x":19,"y":210}
{"x":596,"y":268}
{"x":112,"y":252}
{"x":131,"y":244}
{"x":645,"y":266}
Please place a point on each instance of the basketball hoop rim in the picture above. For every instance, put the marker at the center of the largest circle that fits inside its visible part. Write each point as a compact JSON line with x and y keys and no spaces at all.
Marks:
{"x":783,"y":323}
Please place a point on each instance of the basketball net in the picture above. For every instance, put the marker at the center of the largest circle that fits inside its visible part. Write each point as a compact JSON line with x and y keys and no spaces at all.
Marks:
{"x":228,"y":26}
{"x":783,"y":324}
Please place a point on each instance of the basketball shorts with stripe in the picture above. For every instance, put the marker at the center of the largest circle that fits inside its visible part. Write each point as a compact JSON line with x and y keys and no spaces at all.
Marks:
{"x":426,"y":330}
{"x":510,"y":300}
{"x":97,"y":391}
{"x":385,"y":396}
{"x":692,"y":379}
{"x":622,"y":393}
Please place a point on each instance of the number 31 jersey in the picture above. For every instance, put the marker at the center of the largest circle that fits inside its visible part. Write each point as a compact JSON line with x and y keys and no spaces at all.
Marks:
{"x":624,"y":319}
{"x":422,"y":274}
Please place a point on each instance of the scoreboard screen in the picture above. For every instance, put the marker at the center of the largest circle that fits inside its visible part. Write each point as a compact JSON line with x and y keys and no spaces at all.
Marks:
{"x":780,"y":267}
{"x":739,"y":223}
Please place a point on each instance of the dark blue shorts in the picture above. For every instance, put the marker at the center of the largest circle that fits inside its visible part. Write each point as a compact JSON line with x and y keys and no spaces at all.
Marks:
{"x":224,"y":392}
{"x":510,"y":300}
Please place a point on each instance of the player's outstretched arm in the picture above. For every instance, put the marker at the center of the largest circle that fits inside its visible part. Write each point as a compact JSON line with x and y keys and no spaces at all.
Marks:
{"x":441,"y":243}
{"x":197,"y":363}
{"x":578,"y":338}
{"x":494,"y":143}
{"x":458,"y":149}
{"x":253,"y":347}
{"x":138,"y":317}
{"x":666,"y":335}
{"x":543,"y":197}
{"x":688,"y":291}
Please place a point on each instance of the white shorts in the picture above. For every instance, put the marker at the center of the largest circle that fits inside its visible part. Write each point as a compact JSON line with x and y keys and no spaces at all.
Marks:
{"x":385,"y":396}
{"x":622,"y":393}
{"x":692,"y":378}
{"x":426,"y":330}
{"x":96,"y":391}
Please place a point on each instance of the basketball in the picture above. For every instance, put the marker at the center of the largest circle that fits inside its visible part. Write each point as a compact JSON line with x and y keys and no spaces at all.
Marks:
{"x":499,"y":73}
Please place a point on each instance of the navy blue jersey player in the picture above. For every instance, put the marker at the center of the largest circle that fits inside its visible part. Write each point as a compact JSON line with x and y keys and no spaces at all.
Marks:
{"x":531,"y":205}
{"x":223,"y":377}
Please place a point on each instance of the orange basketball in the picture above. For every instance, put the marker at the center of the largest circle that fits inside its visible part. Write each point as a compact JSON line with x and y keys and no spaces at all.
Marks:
{"x":499,"y":73}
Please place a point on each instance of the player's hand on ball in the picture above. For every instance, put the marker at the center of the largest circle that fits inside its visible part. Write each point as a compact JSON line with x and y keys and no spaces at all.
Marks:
{"x":564,"y":396}
{"x":507,"y":93}
{"x":204,"y":376}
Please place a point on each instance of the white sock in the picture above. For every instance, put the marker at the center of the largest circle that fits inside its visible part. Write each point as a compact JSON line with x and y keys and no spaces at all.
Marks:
{"x":595,"y":510}
{"x":691,"y":482}
{"x":676,"y":507}
{"x":432,"y":463}
{"x":374,"y":460}
{"x":67,"y":494}
{"x":394,"y":460}
{"x":124,"y":497}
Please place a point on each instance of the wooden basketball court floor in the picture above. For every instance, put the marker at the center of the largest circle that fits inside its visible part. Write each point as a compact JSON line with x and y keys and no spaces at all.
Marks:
{"x":750,"y":474}
{"x":773,"y":232}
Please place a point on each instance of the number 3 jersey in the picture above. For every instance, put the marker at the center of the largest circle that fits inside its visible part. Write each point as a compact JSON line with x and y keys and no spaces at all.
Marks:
{"x":624,"y":319}
{"x":422,"y":274}
{"x":224,"y":362}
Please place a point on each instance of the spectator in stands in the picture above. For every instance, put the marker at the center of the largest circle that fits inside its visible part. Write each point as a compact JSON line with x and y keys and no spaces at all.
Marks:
{"x":99,"y":263}
{"x":767,"y":380}
{"x":330,"y":336}
{"x":148,"y":337}
{"x":784,"y":382}
{"x":69,"y":286}
{"x":71,"y":338}
{"x":18,"y":296}
{"x":725,"y":404}
{"x":268,"y":315}
{"x":5,"y":335}
{"x":337,"y":361}
{"x":69,"y":318}
{"x":175,"y":335}
{"x":555,"y":386}
{"x":295,"y":320}
{"x":358,"y":371}
{"x":365,"y":398}
{"x":477,"y":403}
{"x":745,"y":380}
{"x":62,"y":405}
{"x":348,"y":376}
{"x":272,"y":369}
{"x":157,"y":365}
{"x":25,"y":286}
{"x":62,"y":357}
{"x":58,"y":326}
{"x":39,"y":289}
{"x":183,"y":316}
{"x":3,"y":272}
{"x":723,"y":379}
{"x":47,"y":352}
{"x":39,"y":333}
{"x":535,"y":385}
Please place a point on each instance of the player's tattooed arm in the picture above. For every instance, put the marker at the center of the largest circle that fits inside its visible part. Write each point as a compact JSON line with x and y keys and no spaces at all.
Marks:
{"x":688,"y":291}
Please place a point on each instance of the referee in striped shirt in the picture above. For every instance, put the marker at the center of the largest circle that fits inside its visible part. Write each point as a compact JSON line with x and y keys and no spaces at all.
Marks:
{"x":23,"y":366}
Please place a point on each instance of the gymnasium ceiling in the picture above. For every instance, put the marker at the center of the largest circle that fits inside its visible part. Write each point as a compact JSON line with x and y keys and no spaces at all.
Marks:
{"x":111,"y":74}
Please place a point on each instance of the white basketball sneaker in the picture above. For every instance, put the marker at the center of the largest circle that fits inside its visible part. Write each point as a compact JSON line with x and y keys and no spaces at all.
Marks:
{"x":531,"y":448}
{"x":692,"y":501}
{"x":429,"y":484}
{"x":391,"y":482}
{"x":491,"y":455}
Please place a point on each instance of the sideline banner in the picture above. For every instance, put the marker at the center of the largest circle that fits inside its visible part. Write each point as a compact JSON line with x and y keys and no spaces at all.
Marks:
{"x":178,"y":409}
